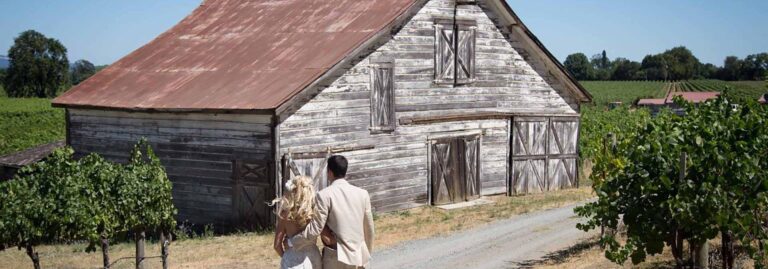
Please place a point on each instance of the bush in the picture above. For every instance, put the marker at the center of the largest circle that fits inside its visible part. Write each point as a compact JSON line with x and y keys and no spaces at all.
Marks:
{"x":64,"y":200}
{"x":723,"y":188}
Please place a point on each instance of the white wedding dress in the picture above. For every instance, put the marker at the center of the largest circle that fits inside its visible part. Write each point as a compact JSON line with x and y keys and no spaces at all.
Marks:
{"x":305,"y":256}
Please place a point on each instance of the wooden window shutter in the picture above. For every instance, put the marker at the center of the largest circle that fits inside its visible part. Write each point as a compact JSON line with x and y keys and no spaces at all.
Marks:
{"x":455,"y":51}
{"x":383,"y":97}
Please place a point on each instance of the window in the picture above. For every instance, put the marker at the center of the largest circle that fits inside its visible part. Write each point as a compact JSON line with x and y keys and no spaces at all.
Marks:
{"x":382,"y":97}
{"x":454,"y":51}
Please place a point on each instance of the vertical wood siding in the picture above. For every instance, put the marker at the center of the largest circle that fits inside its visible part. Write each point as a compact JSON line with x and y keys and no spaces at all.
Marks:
{"x":197,"y":151}
{"x":507,"y":79}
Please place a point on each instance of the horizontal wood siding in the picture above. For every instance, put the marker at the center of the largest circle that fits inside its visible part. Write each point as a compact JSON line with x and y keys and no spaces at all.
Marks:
{"x":197,"y":151}
{"x":395,"y":172}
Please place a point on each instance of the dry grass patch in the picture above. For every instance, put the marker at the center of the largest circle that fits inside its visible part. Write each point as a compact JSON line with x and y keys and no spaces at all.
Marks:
{"x":252,"y":250}
{"x":589,"y":255}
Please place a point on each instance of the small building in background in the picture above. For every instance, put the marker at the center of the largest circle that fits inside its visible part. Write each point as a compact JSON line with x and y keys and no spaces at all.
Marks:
{"x":656,"y":105}
{"x":11,"y":163}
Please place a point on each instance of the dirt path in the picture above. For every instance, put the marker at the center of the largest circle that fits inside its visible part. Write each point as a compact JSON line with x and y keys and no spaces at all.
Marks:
{"x":504,"y":244}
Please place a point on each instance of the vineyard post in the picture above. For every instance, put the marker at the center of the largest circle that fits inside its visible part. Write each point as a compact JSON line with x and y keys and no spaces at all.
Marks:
{"x":140,"y":238}
{"x":165,"y":241}
{"x":700,"y":250}
{"x":105,"y":251}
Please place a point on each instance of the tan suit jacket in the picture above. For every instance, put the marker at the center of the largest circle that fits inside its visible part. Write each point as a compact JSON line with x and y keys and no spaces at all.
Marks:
{"x":346,"y":210}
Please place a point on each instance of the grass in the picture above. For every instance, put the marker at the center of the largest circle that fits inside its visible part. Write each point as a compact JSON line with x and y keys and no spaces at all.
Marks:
{"x":28,"y":122}
{"x":605,"y":92}
{"x":252,"y":250}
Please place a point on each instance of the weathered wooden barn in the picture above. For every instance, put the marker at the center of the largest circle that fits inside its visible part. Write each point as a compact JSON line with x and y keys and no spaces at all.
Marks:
{"x":432,"y":101}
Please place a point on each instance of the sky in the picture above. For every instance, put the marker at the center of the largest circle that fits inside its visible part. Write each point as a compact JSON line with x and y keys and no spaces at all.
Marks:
{"x":104,"y":31}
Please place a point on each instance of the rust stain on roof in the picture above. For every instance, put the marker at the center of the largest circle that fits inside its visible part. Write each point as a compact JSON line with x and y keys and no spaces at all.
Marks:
{"x":693,"y":97}
{"x":236,"y":55}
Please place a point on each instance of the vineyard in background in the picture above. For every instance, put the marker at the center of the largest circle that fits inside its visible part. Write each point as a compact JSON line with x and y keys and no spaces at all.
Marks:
{"x":28,"y":122}
{"x":628,"y":92}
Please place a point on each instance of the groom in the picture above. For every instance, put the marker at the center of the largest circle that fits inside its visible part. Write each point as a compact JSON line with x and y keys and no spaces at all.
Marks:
{"x":345,"y":220}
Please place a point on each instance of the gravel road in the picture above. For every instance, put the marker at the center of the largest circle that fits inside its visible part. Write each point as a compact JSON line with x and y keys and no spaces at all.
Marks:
{"x":502,"y":244}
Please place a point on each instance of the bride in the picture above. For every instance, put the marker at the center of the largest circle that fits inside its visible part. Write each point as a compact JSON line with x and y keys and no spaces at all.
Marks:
{"x":295,"y":210}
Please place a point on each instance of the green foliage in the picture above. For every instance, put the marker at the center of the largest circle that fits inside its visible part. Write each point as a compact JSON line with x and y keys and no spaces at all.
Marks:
{"x":82,"y":70}
{"x":596,"y":122}
{"x":62,"y":199}
{"x":579,"y":66}
{"x":724,"y":188}
{"x":28,"y":122}
{"x":39,"y":66}
{"x":675,"y":64}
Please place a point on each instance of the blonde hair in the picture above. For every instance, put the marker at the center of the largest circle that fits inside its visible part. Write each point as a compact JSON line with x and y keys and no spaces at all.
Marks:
{"x":298,"y":201}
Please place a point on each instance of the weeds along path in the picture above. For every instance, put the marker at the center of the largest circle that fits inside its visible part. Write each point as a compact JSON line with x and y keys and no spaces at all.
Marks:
{"x":502,"y":244}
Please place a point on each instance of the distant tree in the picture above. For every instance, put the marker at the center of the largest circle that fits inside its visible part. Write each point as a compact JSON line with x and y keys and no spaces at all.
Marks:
{"x":655,"y":67}
{"x":579,"y":66}
{"x":754,"y":67}
{"x":101,"y":67}
{"x":624,"y":69}
{"x":707,"y":71}
{"x":602,"y":66}
{"x":731,"y":68}
{"x":38,"y":66}
{"x":82,"y":70}
{"x":682,"y":63}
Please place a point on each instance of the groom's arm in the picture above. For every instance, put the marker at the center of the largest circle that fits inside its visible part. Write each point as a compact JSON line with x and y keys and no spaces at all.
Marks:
{"x":315,"y":227}
{"x":368,"y":228}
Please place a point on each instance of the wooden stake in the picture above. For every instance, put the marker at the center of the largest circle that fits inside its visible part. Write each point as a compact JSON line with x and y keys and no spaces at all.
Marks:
{"x":140,"y":238}
{"x":165,"y":241}
{"x":105,"y":251}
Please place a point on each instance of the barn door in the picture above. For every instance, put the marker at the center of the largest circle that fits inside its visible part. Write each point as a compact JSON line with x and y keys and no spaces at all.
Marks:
{"x":563,"y":153}
{"x":253,"y":188}
{"x":544,"y":154}
{"x":314,"y":167}
{"x":529,"y":155}
{"x":455,"y":170}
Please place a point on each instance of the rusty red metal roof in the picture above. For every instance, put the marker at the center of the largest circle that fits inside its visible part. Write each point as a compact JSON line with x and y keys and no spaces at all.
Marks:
{"x":693,"y":97}
{"x":649,"y":102}
{"x":236,"y":55}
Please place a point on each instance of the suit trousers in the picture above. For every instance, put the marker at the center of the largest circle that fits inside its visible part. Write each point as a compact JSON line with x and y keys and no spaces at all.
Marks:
{"x":331,"y":261}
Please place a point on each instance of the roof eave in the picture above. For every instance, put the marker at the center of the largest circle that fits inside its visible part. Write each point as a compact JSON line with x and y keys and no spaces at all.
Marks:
{"x":168,"y":110}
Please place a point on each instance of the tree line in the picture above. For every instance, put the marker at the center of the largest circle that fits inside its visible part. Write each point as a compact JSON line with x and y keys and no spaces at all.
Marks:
{"x":678,"y":63}
{"x":39,"y":67}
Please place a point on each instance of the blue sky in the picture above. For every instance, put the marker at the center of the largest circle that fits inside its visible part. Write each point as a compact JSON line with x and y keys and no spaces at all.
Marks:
{"x":104,"y":31}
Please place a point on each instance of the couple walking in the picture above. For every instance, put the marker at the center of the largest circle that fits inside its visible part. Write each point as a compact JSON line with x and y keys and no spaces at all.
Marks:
{"x":340,"y":214}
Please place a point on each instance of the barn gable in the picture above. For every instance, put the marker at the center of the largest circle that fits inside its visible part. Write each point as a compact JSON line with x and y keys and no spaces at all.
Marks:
{"x":498,"y":15}
{"x":505,"y":76}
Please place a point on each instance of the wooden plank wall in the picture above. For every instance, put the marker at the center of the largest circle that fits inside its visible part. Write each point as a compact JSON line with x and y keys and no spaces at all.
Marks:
{"x":395,"y":171}
{"x":196,"y":149}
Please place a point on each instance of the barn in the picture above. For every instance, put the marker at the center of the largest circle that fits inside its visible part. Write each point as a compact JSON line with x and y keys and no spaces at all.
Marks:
{"x":432,"y":101}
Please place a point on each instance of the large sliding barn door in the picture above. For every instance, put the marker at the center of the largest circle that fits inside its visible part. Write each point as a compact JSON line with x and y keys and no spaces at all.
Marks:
{"x":563,"y":153}
{"x":253,"y":188}
{"x":544,"y":153}
{"x":455,"y":170}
